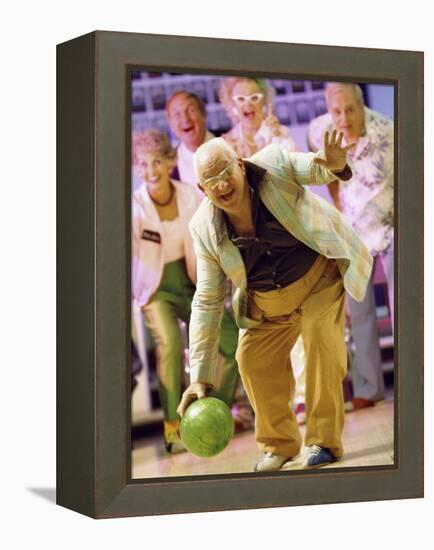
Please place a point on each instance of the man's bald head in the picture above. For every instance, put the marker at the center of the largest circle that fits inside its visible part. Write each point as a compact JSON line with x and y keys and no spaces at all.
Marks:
{"x":212,"y":157}
{"x":333,"y":88}
{"x":222,"y":177}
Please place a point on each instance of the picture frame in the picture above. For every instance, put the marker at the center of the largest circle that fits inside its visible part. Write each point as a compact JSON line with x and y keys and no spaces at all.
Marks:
{"x":94,"y":221}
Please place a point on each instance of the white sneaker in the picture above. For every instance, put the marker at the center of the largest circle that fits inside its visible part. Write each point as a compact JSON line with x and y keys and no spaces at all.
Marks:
{"x":270,"y":462}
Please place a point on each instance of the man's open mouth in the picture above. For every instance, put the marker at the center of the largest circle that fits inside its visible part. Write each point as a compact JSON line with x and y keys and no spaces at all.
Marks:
{"x":226,"y":197}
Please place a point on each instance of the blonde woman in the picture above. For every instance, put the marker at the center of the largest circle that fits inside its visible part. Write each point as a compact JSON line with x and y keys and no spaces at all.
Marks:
{"x":249,"y":105}
{"x":164,"y":273}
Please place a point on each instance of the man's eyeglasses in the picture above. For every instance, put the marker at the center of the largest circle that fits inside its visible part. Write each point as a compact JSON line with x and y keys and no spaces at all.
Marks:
{"x":243,"y":99}
{"x":211,"y":183}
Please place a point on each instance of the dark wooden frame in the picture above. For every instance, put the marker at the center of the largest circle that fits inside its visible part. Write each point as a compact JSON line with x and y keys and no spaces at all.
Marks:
{"x":93,"y":440}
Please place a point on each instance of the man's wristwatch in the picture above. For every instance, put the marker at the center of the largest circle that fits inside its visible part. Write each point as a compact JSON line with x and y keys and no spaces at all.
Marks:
{"x":345,"y":174}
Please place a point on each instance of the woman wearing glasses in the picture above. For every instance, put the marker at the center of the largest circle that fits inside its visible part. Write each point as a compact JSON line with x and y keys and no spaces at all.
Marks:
{"x":249,"y":104}
{"x":164,"y":273}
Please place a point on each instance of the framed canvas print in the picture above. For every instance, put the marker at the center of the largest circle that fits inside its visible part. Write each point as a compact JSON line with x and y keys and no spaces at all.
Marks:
{"x":234,"y":230}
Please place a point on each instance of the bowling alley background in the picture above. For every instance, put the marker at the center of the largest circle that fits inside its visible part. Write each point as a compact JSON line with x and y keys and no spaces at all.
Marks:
{"x":296,"y":103}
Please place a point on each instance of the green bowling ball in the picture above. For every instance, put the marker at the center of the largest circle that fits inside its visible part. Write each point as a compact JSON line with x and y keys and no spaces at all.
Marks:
{"x":206,"y":427}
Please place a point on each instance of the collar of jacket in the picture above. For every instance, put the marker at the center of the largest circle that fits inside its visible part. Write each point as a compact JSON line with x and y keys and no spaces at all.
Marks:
{"x":255,"y":175}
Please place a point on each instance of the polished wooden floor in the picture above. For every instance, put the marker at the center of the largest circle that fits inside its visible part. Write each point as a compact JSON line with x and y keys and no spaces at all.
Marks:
{"x":368,"y":441}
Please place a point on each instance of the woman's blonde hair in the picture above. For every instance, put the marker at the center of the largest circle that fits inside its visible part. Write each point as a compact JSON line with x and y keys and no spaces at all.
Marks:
{"x":152,"y":141}
{"x":227,"y":85}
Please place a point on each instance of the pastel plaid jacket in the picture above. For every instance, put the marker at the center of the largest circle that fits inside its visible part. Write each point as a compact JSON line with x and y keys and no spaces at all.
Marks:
{"x":305,"y":215}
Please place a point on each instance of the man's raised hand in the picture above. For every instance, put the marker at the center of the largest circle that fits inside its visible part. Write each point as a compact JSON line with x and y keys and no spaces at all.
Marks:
{"x":335,"y":154}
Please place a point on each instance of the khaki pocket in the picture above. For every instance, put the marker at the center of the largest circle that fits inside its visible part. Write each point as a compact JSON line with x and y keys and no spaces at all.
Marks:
{"x":253,"y":311}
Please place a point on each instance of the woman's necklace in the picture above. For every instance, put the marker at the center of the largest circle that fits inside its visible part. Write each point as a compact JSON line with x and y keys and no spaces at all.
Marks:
{"x":169,"y":200}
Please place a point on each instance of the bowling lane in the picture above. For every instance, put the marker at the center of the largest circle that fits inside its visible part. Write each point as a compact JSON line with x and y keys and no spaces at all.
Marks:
{"x":368,"y":441}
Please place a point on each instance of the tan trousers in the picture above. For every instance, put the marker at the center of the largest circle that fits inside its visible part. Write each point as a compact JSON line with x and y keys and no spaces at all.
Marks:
{"x":312,"y":306}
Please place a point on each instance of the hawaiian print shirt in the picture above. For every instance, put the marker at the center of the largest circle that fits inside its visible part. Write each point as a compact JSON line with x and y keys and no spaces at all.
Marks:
{"x":367,"y":198}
